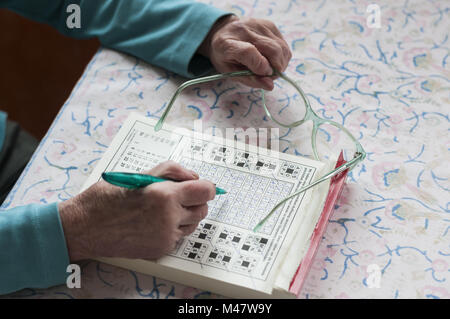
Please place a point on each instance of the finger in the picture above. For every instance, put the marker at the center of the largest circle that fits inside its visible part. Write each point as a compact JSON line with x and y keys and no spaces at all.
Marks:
{"x":194,"y":214}
{"x":189,"y":229}
{"x":172,"y":170}
{"x":256,"y":82}
{"x":248,"y":55}
{"x":273,"y":28}
{"x":193,"y":193}
{"x":265,"y":83}
{"x":272,"y":31}
{"x":287,"y":53}
{"x":272,"y":50}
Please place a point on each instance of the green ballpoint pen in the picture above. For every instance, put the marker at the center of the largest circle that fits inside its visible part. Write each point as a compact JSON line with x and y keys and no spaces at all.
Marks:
{"x":132,"y":180}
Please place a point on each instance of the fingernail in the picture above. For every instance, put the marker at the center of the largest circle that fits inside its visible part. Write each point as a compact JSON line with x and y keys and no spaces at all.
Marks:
{"x":268,"y":71}
{"x":268,"y":84}
{"x":195,"y":175}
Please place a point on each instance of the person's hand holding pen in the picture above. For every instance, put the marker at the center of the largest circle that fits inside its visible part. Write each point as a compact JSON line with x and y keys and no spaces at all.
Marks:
{"x":145,"y":223}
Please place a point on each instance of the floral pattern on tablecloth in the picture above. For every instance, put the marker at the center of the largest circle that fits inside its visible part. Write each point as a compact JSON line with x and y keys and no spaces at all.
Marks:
{"x":390,"y":86}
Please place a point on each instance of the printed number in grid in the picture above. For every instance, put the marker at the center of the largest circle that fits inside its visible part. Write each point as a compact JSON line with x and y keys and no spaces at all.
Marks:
{"x":138,"y":160}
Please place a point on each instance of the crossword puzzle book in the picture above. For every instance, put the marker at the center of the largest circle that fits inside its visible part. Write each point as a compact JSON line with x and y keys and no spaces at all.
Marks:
{"x":224,"y":255}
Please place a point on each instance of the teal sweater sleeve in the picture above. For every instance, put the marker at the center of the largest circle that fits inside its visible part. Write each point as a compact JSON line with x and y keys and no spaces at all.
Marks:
{"x":3,"y":117}
{"x":166,"y":33}
{"x":33,"y":252}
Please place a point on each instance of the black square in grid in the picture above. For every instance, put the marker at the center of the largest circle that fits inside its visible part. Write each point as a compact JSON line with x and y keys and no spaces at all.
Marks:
{"x":213,"y":255}
{"x":226,"y":258}
{"x":197,"y":245}
{"x":246,"y":155}
{"x":289,"y":171}
{"x":245,"y":263}
{"x":259,"y":164}
{"x":207,"y":226}
{"x":240,"y":164}
{"x":263,"y":240}
{"x":192,"y":255}
{"x":202,"y":236}
{"x":236,"y":239}
{"x":245,"y":247}
{"x":223,"y":236}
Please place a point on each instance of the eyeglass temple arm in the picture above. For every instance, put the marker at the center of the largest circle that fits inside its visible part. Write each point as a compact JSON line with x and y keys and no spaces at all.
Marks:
{"x":186,"y":84}
{"x":348,"y":165}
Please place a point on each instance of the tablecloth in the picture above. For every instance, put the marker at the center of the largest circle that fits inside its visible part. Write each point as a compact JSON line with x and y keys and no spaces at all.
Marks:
{"x":389,"y":84}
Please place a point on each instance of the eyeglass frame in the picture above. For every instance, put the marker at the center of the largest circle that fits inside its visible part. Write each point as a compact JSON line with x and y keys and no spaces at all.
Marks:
{"x":358,"y":157}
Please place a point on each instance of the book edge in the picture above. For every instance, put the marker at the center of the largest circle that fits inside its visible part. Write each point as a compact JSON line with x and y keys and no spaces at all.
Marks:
{"x":334,"y":193}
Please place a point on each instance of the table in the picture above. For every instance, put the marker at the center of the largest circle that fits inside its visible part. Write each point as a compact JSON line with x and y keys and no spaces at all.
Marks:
{"x":389,"y":86}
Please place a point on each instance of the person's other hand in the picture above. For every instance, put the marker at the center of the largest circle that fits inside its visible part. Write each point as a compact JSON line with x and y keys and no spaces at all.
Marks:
{"x":145,"y":223}
{"x":235,"y":44}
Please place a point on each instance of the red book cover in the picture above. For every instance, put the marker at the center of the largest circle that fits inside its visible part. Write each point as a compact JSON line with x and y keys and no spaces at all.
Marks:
{"x":336,"y":186}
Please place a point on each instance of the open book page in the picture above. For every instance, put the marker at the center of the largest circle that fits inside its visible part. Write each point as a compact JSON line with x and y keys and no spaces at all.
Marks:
{"x":224,"y":247}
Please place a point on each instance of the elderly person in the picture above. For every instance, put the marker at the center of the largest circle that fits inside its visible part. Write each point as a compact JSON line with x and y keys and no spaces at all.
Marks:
{"x":38,"y":242}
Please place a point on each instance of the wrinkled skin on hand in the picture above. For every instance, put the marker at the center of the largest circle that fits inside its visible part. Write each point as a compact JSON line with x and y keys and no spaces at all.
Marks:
{"x":235,"y":44}
{"x":145,"y":223}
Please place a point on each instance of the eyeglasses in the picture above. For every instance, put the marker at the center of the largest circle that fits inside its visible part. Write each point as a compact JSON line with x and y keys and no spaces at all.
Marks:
{"x":276,"y":108}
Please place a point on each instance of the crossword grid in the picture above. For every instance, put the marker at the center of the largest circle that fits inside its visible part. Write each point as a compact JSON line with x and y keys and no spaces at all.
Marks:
{"x":249,"y":197}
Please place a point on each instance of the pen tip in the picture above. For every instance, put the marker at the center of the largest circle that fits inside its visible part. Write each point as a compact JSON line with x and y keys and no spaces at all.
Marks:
{"x":220,"y":191}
